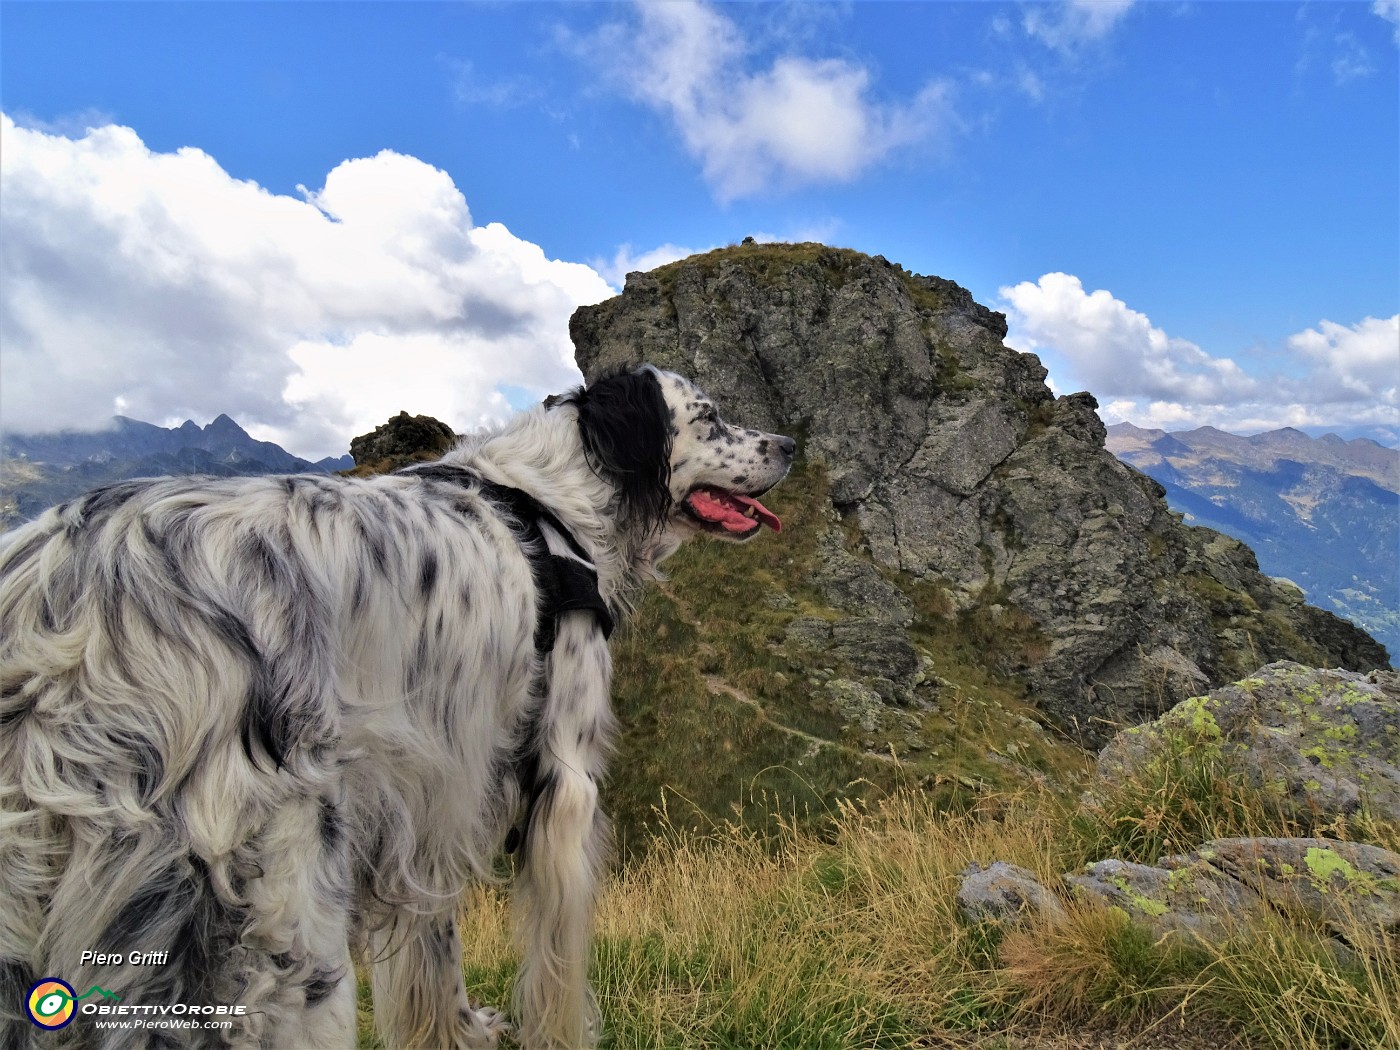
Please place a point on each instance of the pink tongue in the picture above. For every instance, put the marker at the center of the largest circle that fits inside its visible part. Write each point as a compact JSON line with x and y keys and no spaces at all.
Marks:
{"x":727,"y":509}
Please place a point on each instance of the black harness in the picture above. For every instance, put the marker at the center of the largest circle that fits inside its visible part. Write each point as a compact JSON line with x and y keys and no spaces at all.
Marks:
{"x":563,"y":584}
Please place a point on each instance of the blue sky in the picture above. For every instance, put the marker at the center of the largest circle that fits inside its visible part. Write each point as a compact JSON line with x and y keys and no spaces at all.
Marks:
{"x":1190,"y":209}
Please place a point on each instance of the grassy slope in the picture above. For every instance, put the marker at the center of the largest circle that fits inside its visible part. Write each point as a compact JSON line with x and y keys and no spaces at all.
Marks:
{"x":719,"y":720}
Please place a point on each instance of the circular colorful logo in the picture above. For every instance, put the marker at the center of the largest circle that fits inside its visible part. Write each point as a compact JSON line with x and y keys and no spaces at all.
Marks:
{"x":51,"y":1003}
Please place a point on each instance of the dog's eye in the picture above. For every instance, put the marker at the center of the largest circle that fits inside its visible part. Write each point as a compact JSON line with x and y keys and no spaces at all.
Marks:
{"x":710,"y":415}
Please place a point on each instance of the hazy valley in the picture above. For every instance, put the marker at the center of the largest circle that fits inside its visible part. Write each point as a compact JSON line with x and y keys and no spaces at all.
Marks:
{"x":1322,"y":512}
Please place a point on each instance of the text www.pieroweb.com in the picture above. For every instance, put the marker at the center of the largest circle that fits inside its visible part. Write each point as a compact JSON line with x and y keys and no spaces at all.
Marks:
{"x":180,"y":1016}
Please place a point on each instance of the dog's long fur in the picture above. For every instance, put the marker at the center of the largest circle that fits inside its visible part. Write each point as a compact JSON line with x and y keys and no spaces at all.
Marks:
{"x":258,"y":723}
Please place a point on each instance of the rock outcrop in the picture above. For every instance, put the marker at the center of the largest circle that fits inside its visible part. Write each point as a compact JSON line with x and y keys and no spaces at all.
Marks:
{"x":404,"y":439}
{"x":1318,"y":748}
{"x":952,"y":466}
{"x":1003,"y":892}
{"x":1213,"y":894}
{"x":1320,"y":744}
{"x":1190,"y":898}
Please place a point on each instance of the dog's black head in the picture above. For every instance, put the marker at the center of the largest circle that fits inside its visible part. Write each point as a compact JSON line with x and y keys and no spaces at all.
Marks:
{"x":659,"y":440}
{"x":626,"y":433}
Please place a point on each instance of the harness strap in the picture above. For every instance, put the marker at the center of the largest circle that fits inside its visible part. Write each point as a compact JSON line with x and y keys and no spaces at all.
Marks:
{"x":569,"y":586}
{"x":564,"y":586}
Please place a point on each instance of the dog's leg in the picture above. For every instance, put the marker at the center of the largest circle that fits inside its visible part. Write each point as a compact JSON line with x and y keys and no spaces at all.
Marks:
{"x":301,"y":920}
{"x":419,"y":996}
{"x":565,"y":845}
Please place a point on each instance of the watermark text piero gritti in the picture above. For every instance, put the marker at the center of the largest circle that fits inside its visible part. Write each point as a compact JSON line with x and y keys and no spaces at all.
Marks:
{"x":130,"y":959}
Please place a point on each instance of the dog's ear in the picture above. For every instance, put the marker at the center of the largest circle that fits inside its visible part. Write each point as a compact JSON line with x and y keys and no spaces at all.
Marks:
{"x":625,"y":425}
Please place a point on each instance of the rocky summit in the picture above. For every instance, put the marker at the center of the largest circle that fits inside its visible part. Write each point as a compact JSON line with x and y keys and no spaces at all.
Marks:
{"x":953,"y":471}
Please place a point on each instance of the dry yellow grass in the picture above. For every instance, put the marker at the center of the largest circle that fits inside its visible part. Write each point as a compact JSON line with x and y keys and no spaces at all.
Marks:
{"x":851,"y":938}
{"x":839,"y":929}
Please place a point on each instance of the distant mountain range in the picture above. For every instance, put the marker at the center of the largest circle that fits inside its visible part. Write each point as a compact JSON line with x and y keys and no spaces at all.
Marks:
{"x":40,"y":470}
{"x":1321,"y":512}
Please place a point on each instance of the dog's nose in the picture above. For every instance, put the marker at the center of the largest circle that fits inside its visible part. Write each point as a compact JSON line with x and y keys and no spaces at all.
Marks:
{"x":788,"y":446}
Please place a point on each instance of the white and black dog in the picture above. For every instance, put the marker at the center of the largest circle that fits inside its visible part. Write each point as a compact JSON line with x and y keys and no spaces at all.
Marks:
{"x":257,"y":724}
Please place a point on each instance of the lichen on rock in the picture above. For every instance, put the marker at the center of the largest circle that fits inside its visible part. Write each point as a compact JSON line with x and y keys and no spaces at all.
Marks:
{"x":1322,"y":744}
{"x":1192,"y":898}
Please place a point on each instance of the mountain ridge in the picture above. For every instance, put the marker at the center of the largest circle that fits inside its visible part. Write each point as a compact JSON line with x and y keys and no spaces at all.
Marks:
{"x":40,"y":470}
{"x":128,"y":437}
{"x":1324,"y":514}
{"x":1359,"y":457}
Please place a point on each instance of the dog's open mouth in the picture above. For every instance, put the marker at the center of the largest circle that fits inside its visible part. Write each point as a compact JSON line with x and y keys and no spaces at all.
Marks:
{"x":729,"y":511}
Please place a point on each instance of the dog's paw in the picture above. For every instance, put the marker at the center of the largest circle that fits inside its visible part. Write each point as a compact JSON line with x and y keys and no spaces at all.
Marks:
{"x":489,"y":1022}
{"x":479,"y":1028}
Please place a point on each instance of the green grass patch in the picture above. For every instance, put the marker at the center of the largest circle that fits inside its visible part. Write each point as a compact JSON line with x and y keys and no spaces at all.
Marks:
{"x":1189,"y":791}
{"x":768,"y":263}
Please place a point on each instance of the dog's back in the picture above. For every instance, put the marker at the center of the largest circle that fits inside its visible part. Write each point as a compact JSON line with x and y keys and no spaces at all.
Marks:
{"x":202,"y":680}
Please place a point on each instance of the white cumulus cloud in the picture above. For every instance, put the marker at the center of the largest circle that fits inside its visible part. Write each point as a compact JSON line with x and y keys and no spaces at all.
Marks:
{"x":1111,"y":347}
{"x":800,"y":120}
{"x":159,"y":286}
{"x":627,"y":259}
{"x":1332,"y":375}
{"x":1359,"y":362}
